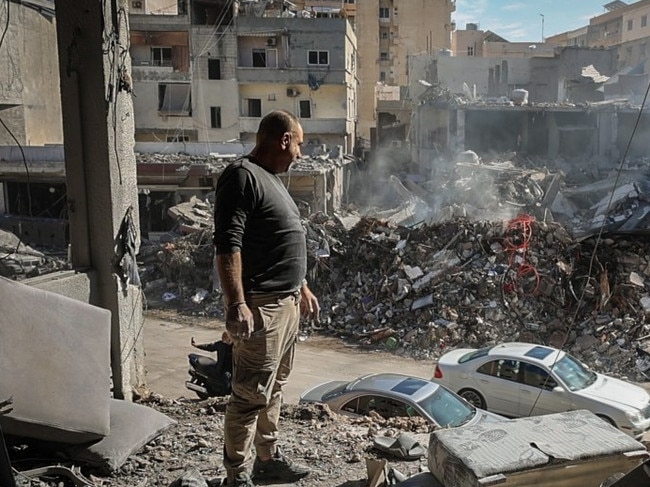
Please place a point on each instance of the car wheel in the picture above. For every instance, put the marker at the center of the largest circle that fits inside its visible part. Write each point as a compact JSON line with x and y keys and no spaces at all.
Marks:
{"x":473,"y":397}
{"x":607,"y":420}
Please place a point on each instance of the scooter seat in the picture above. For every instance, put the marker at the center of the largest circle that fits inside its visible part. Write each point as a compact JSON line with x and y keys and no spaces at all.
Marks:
{"x":201,"y":361}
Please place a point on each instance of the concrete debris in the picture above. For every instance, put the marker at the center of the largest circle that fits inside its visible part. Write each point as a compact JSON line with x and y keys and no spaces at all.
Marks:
{"x":422,"y":290}
{"x":19,"y":261}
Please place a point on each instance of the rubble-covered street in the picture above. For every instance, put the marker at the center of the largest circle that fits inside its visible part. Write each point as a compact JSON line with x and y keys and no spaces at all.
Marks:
{"x":334,"y":446}
{"x":420,"y":291}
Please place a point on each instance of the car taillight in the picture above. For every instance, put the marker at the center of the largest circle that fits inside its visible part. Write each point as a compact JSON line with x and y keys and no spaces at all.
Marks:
{"x":438,"y":373}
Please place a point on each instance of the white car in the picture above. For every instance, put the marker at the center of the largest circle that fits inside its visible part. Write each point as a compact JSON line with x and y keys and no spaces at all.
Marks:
{"x":524,"y":379}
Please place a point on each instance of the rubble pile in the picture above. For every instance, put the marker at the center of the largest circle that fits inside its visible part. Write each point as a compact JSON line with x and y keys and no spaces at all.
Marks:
{"x":180,"y":272}
{"x":334,"y":446}
{"x":420,"y":291}
{"x":20,"y":261}
{"x":460,"y":283}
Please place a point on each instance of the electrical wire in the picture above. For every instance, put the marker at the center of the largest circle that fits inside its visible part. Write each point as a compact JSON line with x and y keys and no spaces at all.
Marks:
{"x":4,"y":32}
{"x":22,"y":152}
{"x":592,"y":260}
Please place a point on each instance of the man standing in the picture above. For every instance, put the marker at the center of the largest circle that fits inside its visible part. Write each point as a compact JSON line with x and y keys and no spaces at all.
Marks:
{"x":262,"y":261}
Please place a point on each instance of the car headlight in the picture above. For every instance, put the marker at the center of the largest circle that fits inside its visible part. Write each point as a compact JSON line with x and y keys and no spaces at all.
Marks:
{"x":635,"y":417}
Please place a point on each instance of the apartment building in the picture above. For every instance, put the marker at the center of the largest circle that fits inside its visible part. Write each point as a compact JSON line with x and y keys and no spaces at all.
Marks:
{"x":306,"y":65}
{"x":30,"y":104}
{"x":183,"y":69}
{"x":388,"y":32}
{"x":474,"y":42}
{"x":208,"y":71}
{"x":623,"y":27}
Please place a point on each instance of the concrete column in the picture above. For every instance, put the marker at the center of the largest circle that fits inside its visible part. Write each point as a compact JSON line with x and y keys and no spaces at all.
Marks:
{"x":606,"y":126}
{"x":98,"y":126}
{"x":524,"y":134}
{"x":460,"y":131}
{"x":553,"y":136}
{"x":320,"y":193}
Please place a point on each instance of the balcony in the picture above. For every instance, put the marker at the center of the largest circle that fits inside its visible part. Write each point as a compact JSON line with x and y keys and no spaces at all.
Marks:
{"x":143,"y":71}
{"x":289,"y":76}
{"x":158,"y":22}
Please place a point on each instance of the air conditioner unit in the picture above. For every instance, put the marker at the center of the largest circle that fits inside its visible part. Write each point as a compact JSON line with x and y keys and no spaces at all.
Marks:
{"x":136,"y":4}
{"x":271,"y":41}
{"x":292,"y":92}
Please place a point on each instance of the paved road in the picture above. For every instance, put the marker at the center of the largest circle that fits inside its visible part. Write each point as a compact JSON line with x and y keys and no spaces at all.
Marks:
{"x":167,"y":345}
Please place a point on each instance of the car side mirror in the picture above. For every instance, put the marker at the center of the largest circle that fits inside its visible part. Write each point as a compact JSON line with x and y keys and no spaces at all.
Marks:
{"x":558,"y":389}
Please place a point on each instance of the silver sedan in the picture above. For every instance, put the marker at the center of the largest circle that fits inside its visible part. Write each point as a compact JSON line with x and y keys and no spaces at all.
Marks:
{"x":392,"y":395}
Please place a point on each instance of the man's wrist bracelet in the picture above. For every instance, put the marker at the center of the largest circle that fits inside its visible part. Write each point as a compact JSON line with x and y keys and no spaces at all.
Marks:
{"x":238,"y":303}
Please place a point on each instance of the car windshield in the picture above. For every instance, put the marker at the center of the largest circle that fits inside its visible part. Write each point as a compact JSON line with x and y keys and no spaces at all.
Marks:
{"x":447,"y":409}
{"x":575,"y":375}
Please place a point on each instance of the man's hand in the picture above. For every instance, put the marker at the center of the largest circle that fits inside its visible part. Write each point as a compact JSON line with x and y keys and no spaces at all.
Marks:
{"x":239,"y":321}
{"x":309,"y":307}
{"x":192,"y":342}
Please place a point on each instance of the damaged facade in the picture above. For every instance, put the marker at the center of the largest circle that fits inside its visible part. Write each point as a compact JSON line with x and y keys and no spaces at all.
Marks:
{"x":209,"y":71}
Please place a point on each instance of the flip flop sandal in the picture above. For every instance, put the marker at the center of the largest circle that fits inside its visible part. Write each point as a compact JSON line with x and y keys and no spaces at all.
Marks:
{"x":402,"y":446}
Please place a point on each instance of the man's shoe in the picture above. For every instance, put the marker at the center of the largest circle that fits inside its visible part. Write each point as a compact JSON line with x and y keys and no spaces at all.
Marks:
{"x":278,"y":468}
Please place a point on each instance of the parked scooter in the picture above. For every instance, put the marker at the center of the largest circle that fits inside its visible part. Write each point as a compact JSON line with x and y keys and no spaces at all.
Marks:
{"x":208,"y":377}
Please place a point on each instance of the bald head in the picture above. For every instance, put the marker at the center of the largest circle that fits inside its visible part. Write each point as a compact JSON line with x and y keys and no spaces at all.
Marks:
{"x":279,"y":139}
{"x":275,"y":124}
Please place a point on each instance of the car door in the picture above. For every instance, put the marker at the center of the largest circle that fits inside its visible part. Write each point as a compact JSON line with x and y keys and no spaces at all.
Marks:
{"x":536,"y":394}
{"x":497,"y":382}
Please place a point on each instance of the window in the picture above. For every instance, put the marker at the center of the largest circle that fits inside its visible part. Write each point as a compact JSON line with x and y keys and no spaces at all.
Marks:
{"x":259,"y":58}
{"x":215,"y":117}
{"x":383,"y":56}
{"x":630,"y":24}
{"x":644,"y":20}
{"x":504,"y":369}
{"x":384,"y":35}
{"x":470,"y":51}
{"x":535,"y":376}
{"x":254,"y":106}
{"x":384,"y":12}
{"x":383,"y":406}
{"x":175,"y":99}
{"x":348,"y":1}
{"x":305,"y":109}
{"x":178,"y":138}
{"x":265,"y":58}
{"x":382,"y":76}
{"x":318,"y":57}
{"x":573,"y":373}
{"x":539,"y":352}
{"x":214,"y":69}
{"x":161,"y":56}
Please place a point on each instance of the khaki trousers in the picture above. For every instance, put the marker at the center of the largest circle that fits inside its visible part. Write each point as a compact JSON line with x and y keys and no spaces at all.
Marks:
{"x":261,"y":367}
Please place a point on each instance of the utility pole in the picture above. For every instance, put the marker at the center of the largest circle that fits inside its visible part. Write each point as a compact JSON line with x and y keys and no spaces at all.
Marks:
{"x":542,"y":16}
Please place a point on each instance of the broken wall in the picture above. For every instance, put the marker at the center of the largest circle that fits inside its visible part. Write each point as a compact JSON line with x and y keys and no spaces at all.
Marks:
{"x":491,"y":76}
{"x":640,"y":143}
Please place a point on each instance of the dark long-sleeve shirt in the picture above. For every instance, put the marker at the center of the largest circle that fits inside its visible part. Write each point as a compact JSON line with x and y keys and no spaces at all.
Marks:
{"x":255,"y":214}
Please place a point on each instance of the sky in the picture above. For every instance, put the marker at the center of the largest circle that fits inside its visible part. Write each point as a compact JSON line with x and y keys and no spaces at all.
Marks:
{"x":521,"y":20}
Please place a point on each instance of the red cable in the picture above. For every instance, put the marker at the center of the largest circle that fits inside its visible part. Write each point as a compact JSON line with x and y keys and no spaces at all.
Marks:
{"x":520,"y":229}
